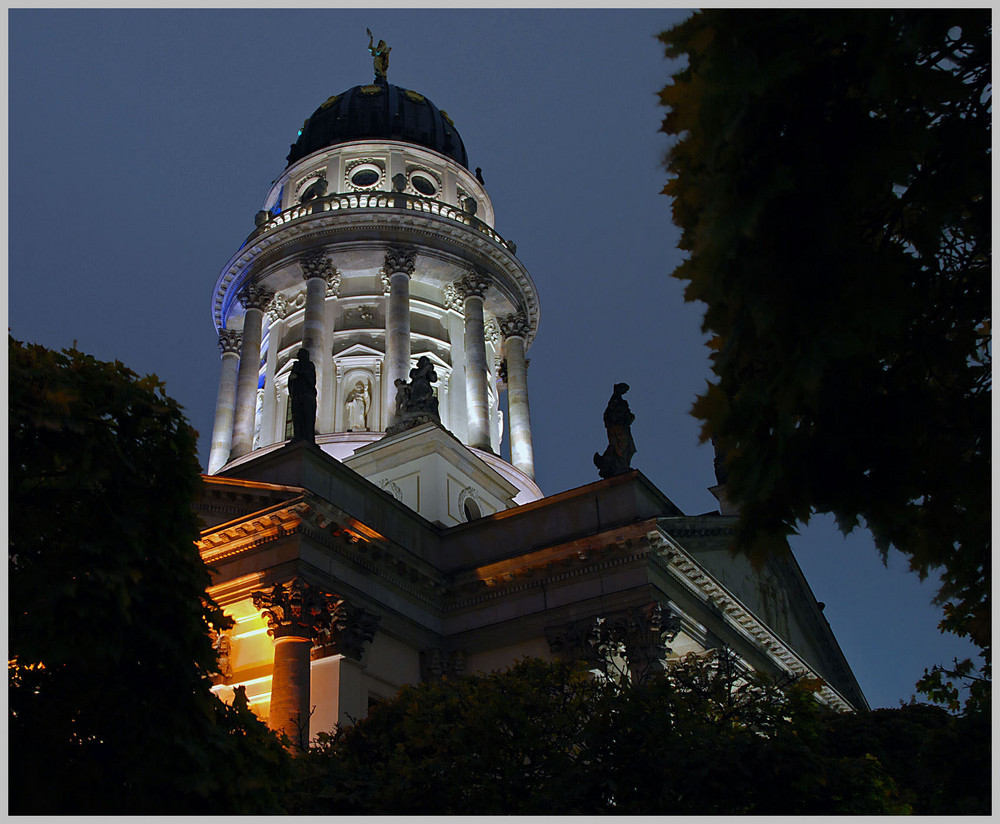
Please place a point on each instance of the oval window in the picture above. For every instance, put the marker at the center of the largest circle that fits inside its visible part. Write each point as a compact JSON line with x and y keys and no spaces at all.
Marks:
{"x":365,"y":177}
{"x":423,"y":184}
{"x":472,"y":511}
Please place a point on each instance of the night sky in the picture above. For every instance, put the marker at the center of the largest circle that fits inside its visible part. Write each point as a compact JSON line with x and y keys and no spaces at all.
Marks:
{"x":142,"y":143}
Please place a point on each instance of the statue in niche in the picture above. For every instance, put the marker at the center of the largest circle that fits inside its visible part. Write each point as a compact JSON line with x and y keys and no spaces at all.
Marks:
{"x":302,"y":397}
{"x":358,"y":402}
{"x":380,"y":53}
{"x":415,"y":401}
{"x":618,"y":418}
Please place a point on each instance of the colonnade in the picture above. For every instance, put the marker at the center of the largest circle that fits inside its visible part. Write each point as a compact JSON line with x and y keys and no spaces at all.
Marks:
{"x":232,"y":434}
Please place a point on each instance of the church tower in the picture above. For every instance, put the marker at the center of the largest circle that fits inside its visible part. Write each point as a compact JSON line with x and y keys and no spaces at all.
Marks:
{"x":371,"y":535}
{"x":373,"y":249}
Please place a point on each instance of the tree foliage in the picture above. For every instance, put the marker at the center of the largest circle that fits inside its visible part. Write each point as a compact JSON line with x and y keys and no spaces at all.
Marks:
{"x":831,"y":175}
{"x":109,"y":654}
{"x":549,"y":739}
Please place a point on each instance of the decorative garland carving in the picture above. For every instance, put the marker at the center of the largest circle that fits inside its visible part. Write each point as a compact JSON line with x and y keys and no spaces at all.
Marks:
{"x":453,"y":299}
{"x":491,"y":331}
{"x":277,"y":309}
{"x":392,"y":489}
{"x":230,"y":341}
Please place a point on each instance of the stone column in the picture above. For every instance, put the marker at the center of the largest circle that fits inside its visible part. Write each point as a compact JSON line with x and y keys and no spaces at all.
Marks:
{"x":225,"y":404}
{"x":319,"y":274}
{"x":399,"y":264}
{"x":255,"y":300}
{"x":473,"y":288}
{"x":299,"y":617}
{"x":515,"y":330}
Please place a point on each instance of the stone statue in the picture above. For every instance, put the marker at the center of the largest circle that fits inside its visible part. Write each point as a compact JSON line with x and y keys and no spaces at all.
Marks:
{"x":415,"y":401}
{"x":314,"y":190}
{"x":302,"y":397}
{"x":358,"y":402}
{"x":618,"y":420}
{"x":380,"y":53}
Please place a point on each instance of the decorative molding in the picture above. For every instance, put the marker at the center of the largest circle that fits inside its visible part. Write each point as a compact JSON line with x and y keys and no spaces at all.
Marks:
{"x":491,"y":332}
{"x":277,"y":309}
{"x":453,"y":300}
{"x":229,"y":341}
{"x":392,"y":488}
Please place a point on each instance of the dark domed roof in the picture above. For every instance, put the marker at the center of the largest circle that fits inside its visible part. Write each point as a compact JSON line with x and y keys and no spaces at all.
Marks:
{"x":379,"y":111}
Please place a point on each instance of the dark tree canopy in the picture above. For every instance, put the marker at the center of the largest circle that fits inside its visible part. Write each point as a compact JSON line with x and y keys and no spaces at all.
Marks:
{"x":831,"y":175}
{"x":541,"y":738}
{"x":110,"y":658}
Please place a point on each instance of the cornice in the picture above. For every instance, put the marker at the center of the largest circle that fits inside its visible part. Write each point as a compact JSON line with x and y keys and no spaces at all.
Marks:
{"x":675,"y":561}
{"x":288,"y":240}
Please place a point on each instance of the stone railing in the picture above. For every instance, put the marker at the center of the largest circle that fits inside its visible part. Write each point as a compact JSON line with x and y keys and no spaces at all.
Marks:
{"x":378,"y":200}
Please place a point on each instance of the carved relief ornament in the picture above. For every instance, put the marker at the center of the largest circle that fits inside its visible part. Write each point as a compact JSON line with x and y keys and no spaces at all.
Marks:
{"x":277,"y":309}
{"x":253,"y":296}
{"x":474,"y":284}
{"x":229,"y":341}
{"x":399,"y":260}
{"x":514,"y":326}
{"x":300,"y":610}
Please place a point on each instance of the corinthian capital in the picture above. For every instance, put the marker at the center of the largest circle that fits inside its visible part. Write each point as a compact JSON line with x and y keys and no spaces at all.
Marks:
{"x":318,"y":265}
{"x":474,"y":284}
{"x":255,"y":297}
{"x":399,"y":260}
{"x":514,"y":326}
{"x":229,"y":341}
{"x":348,"y":630}
{"x":296,"y":609}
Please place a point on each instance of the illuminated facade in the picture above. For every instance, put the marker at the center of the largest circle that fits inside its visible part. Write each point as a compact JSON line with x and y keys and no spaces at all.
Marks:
{"x":367,"y":560}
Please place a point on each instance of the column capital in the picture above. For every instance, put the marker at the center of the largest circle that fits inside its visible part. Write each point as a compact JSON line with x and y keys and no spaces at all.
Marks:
{"x":515,"y":325}
{"x":318,"y":265}
{"x":399,"y":260}
{"x":230,"y":341}
{"x":253,"y":296}
{"x":296,"y":609}
{"x":473,"y":284}
{"x":643,"y":632}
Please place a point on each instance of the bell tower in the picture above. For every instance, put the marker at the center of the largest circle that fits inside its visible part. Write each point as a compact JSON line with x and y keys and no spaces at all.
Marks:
{"x":375,"y":250}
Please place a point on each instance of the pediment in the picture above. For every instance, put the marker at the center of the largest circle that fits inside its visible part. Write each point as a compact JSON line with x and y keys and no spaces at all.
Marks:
{"x":358,"y":350}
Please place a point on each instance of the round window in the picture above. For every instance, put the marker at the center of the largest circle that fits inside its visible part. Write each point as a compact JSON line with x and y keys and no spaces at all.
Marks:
{"x":423,"y":184}
{"x":472,"y":510}
{"x":364,"y":177}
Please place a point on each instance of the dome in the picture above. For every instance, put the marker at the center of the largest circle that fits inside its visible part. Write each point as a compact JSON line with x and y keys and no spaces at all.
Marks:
{"x":379,"y":111}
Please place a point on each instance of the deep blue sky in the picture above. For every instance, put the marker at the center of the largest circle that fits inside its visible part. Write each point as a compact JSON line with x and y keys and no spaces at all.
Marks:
{"x":141,"y":144}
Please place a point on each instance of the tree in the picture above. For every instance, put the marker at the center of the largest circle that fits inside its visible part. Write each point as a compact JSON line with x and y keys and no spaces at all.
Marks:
{"x":831,"y":176}
{"x":109,"y":653}
{"x":706,"y":737}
